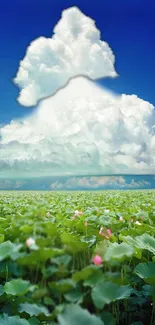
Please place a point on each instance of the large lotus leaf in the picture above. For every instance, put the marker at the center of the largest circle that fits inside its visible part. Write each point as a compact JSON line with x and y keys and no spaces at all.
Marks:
{"x":85,"y":273}
{"x":63,"y":285}
{"x":7,"y":249}
{"x":146,"y":271}
{"x":62,"y":260}
{"x":106,"y":292}
{"x":105,"y":220}
{"x":14,"y":320}
{"x":72,"y":243}
{"x":75,"y":315}
{"x":149,"y":290}
{"x":43,"y":254}
{"x":16,"y":287}
{"x":94,"y":278}
{"x":144,"y":241}
{"x":74,"y":295}
{"x":33,"y":309}
{"x":92,"y":218}
{"x":118,"y":252}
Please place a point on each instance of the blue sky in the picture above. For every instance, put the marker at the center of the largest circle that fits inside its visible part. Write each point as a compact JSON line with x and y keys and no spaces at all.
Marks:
{"x":117,"y":137}
{"x":126,"y":25}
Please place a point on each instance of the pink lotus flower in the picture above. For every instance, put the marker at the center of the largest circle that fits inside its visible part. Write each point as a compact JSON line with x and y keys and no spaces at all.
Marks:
{"x":97,"y":260}
{"x":30,"y":242}
{"x":109,"y":232}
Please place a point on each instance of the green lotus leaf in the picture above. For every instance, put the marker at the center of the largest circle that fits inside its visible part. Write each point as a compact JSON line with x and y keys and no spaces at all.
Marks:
{"x":16,"y":287}
{"x":84,"y":273}
{"x":146,"y":271}
{"x":7,"y":249}
{"x":14,"y":320}
{"x":33,"y":309}
{"x":144,"y":241}
{"x":75,"y":315}
{"x":118,"y":252}
{"x":106,"y":292}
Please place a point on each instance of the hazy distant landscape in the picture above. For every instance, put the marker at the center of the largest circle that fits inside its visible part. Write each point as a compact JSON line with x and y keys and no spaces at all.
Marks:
{"x":123,"y":182}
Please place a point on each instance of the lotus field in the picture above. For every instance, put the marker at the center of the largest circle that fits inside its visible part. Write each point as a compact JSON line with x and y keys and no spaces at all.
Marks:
{"x":77,"y":258}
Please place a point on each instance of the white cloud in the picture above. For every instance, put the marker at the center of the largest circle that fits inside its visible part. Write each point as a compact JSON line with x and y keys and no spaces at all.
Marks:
{"x":81,"y":130}
{"x":74,"y":49}
{"x":109,"y":182}
{"x":76,"y":183}
{"x":106,"y":182}
{"x":141,"y":183}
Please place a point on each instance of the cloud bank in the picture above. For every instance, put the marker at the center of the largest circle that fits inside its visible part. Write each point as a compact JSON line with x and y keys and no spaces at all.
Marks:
{"x":79,"y":183}
{"x":81,"y":130}
{"x":103,"y":182}
{"x":74,"y":49}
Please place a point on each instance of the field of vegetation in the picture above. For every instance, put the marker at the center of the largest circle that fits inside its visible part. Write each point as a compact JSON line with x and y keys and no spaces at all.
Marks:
{"x":77,"y":258}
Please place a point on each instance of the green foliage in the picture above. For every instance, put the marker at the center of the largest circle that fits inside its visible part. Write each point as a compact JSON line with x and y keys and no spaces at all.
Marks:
{"x":75,"y":315}
{"x":84,"y":273}
{"x":15,"y":320}
{"x":8,"y":249}
{"x":54,"y":281}
{"x":119,"y":252}
{"x":108,"y":318}
{"x":144,"y":241}
{"x":16,"y":287}
{"x":106,"y":292}
{"x":146,"y":271}
{"x":33,"y":309}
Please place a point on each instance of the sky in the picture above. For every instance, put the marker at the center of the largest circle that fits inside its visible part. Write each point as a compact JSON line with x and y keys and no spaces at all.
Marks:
{"x":127,"y":27}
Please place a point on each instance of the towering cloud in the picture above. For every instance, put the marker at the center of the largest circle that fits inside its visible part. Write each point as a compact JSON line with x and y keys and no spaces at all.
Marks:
{"x":82,"y":130}
{"x":74,"y":49}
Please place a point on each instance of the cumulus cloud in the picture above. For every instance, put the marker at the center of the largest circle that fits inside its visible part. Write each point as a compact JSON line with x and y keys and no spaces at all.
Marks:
{"x":74,"y":49}
{"x":141,"y":183}
{"x":81,"y":130}
{"x":103,"y":182}
{"x":78,"y":183}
